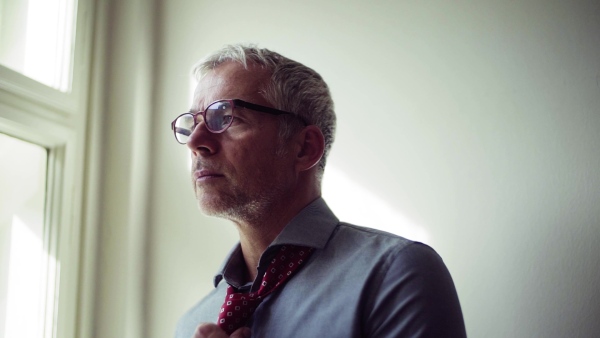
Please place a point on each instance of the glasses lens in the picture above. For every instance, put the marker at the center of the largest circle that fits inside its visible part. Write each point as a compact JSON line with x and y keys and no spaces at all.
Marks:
{"x":219,"y":116}
{"x":184,"y":126}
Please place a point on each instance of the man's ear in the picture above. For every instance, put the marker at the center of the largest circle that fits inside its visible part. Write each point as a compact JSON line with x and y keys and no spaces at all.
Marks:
{"x":312,"y":147}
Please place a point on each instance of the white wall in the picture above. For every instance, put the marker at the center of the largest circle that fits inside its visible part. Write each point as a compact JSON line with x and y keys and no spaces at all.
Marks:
{"x":485,"y":137}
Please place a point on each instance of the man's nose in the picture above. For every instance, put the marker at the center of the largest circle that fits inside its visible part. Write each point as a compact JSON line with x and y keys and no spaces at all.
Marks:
{"x":202,"y":142}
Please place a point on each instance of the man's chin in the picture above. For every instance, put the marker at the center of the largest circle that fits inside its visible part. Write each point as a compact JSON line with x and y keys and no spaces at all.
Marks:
{"x":231,"y":210}
{"x":210,"y":209}
{"x":214,"y":207}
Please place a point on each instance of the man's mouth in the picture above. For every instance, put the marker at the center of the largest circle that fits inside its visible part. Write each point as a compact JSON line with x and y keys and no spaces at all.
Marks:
{"x":204,"y":175}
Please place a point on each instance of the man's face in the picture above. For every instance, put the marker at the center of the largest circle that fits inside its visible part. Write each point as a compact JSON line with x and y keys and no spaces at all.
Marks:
{"x":237,"y":174}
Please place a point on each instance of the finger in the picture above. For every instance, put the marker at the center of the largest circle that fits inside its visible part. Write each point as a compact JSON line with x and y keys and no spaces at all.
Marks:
{"x":209,"y":330}
{"x":242,"y":332}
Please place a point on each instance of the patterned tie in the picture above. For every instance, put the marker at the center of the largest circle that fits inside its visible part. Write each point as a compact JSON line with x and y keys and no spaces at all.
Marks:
{"x":239,"y":307}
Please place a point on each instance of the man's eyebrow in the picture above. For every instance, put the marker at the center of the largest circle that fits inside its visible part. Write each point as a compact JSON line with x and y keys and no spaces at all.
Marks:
{"x":195,"y":106}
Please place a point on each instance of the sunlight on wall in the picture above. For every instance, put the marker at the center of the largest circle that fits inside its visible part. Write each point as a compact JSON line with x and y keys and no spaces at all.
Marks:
{"x":354,"y":204}
{"x":25,"y":283}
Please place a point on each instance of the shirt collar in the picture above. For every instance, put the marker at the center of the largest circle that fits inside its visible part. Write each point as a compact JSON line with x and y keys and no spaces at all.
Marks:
{"x":312,"y":226}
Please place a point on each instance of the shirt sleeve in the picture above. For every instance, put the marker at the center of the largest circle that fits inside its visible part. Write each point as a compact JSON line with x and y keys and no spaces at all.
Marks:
{"x":416,"y":298}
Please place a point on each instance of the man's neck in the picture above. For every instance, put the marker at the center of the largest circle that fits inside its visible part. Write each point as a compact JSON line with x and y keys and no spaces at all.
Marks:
{"x":255,"y":238}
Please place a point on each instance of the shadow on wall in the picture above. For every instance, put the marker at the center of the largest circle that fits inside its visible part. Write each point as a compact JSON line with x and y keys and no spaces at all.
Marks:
{"x":354,"y":204}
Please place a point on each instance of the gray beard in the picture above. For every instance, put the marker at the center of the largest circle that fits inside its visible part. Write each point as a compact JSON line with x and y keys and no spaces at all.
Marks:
{"x":243,"y":208}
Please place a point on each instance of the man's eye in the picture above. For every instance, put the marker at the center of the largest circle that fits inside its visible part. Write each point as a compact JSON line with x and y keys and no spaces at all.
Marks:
{"x":236,"y":120}
{"x":227,"y":119}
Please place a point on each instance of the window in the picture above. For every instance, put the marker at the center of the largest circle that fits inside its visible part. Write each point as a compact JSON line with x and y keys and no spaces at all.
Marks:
{"x":36,"y":39}
{"x":23,"y":259}
{"x":44,"y":70}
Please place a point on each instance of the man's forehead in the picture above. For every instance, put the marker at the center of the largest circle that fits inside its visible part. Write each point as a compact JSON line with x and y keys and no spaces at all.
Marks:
{"x":228,"y":81}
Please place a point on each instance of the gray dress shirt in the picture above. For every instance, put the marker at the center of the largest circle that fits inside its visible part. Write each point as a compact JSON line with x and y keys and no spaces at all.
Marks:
{"x":359,"y":282}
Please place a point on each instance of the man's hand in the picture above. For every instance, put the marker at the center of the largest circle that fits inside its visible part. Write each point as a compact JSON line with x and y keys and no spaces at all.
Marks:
{"x":210,"y":330}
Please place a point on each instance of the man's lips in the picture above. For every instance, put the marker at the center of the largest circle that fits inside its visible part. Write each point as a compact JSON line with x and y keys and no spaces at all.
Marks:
{"x":202,"y":175}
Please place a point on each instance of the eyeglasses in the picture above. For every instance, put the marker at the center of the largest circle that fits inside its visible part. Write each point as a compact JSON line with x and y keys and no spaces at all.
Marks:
{"x":217,"y":116}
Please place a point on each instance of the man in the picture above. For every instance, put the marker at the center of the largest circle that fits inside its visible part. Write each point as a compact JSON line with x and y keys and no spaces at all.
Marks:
{"x":260,"y":128}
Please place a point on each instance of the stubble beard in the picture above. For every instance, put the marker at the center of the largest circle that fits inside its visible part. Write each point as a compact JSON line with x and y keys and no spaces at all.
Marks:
{"x":239,"y":206}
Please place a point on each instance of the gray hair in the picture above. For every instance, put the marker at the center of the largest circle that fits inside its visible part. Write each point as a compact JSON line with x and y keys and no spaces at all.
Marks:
{"x":294,"y":88}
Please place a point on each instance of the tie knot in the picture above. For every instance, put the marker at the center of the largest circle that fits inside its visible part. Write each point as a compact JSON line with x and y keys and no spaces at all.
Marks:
{"x":239,"y":307}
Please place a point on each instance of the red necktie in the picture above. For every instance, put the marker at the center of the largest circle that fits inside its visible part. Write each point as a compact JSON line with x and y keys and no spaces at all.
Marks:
{"x":239,"y":307}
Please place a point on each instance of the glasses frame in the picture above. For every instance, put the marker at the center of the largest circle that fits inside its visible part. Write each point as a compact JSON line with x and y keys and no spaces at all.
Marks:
{"x":234,"y":103}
